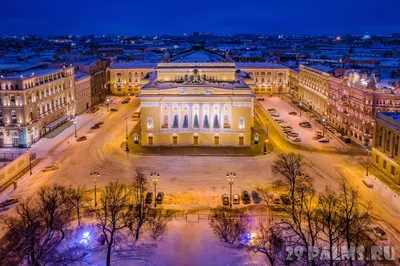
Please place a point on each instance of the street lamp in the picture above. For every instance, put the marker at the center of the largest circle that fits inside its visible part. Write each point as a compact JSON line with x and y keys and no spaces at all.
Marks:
{"x":108,"y":104}
{"x":95,"y":175}
{"x":300,"y":104}
{"x":75,"y":128}
{"x":265,"y":147}
{"x":30,"y":162}
{"x":126,"y":123}
{"x":231,"y":179}
{"x":323,"y":127}
{"x":368,"y":154}
{"x":155,"y":177}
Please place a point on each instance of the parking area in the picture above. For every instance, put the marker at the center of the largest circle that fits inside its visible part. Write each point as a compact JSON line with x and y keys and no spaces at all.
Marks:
{"x":284,"y":115}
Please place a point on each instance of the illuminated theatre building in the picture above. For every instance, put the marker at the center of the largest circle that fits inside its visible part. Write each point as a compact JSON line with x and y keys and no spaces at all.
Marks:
{"x":198,"y":98}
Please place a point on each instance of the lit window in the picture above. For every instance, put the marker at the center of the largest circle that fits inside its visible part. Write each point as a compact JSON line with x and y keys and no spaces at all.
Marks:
{"x":241,"y":123}
{"x":149,"y":123}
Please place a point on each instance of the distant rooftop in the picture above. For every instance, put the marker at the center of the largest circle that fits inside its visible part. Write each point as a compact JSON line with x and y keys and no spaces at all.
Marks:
{"x":129,"y":65}
{"x":260,"y":65}
{"x":390,"y":119}
{"x":80,"y":76}
{"x":197,"y":55}
{"x":34,"y":73}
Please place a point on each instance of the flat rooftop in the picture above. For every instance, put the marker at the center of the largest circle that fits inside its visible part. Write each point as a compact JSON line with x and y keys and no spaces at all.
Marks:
{"x":260,"y":65}
{"x":34,"y":73}
{"x":133,"y":65}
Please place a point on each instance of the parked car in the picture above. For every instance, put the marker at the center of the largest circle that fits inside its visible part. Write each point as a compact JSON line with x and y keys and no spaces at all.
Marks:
{"x":236,"y":199}
{"x":160,"y":197}
{"x":277,"y":201}
{"x":260,"y":99}
{"x":380,"y":233}
{"x":337,"y":134}
{"x":82,"y":138}
{"x":271,"y":110}
{"x":275,"y":114}
{"x":99,"y":123}
{"x":297,"y":140}
{"x":225,"y":200}
{"x":293,"y":134}
{"x":136,"y":116}
{"x":149,"y":198}
{"x":368,"y":183}
{"x":256,"y":198}
{"x":246,"y":197}
{"x":50,"y":168}
{"x":285,"y":199}
{"x":113,"y":109}
{"x":323,"y":140}
{"x":286,"y":130}
{"x":96,"y":126}
{"x":292,"y":113}
{"x":8,"y":202}
{"x":347,"y":139}
{"x":305,"y":124}
{"x":279,"y":121}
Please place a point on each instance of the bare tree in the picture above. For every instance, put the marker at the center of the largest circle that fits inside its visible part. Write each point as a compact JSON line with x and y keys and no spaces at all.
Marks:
{"x":112,"y":214}
{"x":270,"y":242}
{"x":228,"y":225}
{"x":40,"y":225}
{"x":158,"y":222}
{"x":138,"y":214}
{"x":78,"y":198}
{"x":330,"y":214}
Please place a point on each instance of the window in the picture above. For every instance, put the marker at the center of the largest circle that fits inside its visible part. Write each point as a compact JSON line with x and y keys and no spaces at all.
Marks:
{"x":392,"y":171}
{"x":13,"y":116}
{"x":384,"y":164}
{"x":206,"y":124}
{"x":30,"y":114}
{"x":1,"y":117}
{"x":216,"y":121}
{"x":185,"y":121}
{"x":149,"y":123}
{"x":226,"y":120}
{"x":376,"y":159}
{"x":175,"y":124}
{"x":165,"y":121}
{"x":12,"y":100}
{"x":196,"y":121}
{"x":241,"y":123}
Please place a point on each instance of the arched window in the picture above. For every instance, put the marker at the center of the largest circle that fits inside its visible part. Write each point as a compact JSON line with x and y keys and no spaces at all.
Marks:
{"x":216,"y":122}
{"x":226,"y":120}
{"x":196,"y":121}
{"x":149,"y":123}
{"x":241,"y":123}
{"x":13,"y":116}
{"x":165,"y":121}
{"x":175,"y":124}
{"x":185,"y":121}
{"x":16,"y":86}
{"x":6,"y":86}
{"x":206,"y":124}
{"x":11,"y":87}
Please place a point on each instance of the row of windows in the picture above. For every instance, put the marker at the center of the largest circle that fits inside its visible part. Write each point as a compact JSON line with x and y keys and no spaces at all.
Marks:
{"x":196,"y":123}
{"x":384,"y":165}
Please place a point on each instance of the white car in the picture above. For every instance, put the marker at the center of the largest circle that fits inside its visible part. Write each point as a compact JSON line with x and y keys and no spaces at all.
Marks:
{"x":275,"y":114}
{"x":297,"y":140}
{"x":323,"y":140}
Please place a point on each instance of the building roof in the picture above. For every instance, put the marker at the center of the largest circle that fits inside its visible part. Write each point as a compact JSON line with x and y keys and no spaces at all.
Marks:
{"x":260,"y":65}
{"x":34,"y":73}
{"x":133,"y":65}
{"x":81,"y":75}
{"x":197,"y":55}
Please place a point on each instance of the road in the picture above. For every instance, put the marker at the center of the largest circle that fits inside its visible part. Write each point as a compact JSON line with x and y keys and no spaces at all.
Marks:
{"x":191,"y":182}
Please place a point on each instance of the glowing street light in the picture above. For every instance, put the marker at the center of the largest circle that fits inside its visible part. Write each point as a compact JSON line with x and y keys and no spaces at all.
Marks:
{"x":75,"y":128}
{"x":126,"y":123}
{"x":231,"y":179}
{"x":95,"y":175}
{"x":155,"y":176}
{"x":323,"y":127}
{"x":368,"y":154}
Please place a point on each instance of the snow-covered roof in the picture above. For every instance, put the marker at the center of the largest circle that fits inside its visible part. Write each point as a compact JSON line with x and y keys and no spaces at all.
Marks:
{"x":260,"y":65}
{"x":197,"y":56}
{"x":129,"y":65}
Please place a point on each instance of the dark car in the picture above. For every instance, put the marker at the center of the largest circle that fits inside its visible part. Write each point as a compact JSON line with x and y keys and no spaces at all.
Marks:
{"x":96,"y":126}
{"x":160,"y":197}
{"x":81,"y":138}
{"x":256,"y":198}
{"x":114,"y":110}
{"x":225,"y":200}
{"x":149,"y":198}
{"x":292,"y":113}
{"x":246,"y":197}
{"x":285,"y":199}
{"x":8,"y":202}
{"x":260,"y":99}
{"x":99,"y":123}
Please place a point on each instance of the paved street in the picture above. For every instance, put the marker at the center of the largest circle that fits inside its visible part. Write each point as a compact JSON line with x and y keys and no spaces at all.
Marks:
{"x":189,"y":182}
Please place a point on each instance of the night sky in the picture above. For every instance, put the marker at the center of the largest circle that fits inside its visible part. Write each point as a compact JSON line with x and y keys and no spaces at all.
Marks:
{"x":175,"y":17}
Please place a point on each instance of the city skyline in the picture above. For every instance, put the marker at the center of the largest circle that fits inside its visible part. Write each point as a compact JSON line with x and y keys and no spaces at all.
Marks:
{"x":178,"y":17}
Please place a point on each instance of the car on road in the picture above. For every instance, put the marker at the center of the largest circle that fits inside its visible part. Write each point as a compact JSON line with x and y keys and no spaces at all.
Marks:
{"x":380,"y":233}
{"x":236,"y":199}
{"x":246,"y":197}
{"x":256,"y":198}
{"x":160,"y":197}
{"x":274,"y":114}
{"x":293,"y":134}
{"x":297,"y":140}
{"x":51,"y":167}
{"x":149,"y":198}
{"x":285,"y":199}
{"x":126,"y":100}
{"x":95,"y":126}
{"x":99,"y":123}
{"x":8,"y":202}
{"x":225,"y":200}
{"x":279,"y":121}
{"x":292,"y":113}
{"x":260,"y":99}
{"x":324,"y":140}
{"x":114,"y":110}
{"x":286,"y":130}
{"x":337,"y":134}
{"x":276,"y":201}
{"x":271,"y":110}
{"x":82,"y":138}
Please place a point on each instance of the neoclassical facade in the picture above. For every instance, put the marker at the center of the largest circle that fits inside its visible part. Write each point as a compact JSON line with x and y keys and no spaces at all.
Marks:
{"x":196,"y":98}
{"x":33,"y":103}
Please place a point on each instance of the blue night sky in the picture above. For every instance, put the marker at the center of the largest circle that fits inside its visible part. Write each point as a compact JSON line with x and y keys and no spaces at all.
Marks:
{"x":156,"y":17}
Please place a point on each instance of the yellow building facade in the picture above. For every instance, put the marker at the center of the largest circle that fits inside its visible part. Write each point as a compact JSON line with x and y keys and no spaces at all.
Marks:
{"x":196,"y":98}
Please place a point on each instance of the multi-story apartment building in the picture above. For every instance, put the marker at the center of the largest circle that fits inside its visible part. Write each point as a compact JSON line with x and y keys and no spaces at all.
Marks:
{"x":354,"y":102}
{"x":82,"y":92}
{"x":126,"y":78}
{"x":313,"y":88}
{"x":34,"y":103}
{"x":385,"y":152}
{"x":97,"y":70}
{"x":293,"y":84}
{"x":267,"y":77}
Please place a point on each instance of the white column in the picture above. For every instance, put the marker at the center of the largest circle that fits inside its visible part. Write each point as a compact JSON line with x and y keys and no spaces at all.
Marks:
{"x":190,"y":116}
{"x":221,"y":118}
{"x":170,"y":116}
{"x":200,"y":116}
{"x":180,"y":106}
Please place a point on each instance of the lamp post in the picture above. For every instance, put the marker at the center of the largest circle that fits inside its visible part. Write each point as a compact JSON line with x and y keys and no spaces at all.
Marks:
{"x":265,"y":147}
{"x":231,"y":179}
{"x":75,"y":128}
{"x":95,"y":175}
{"x":108,"y":104}
{"x":368,"y":154}
{"x":30,"y":163}
{"x":300,"y":104}
{"x":155,"y":177}
{"x":126,"y":123}
{"x":323,"y":127}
